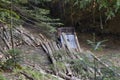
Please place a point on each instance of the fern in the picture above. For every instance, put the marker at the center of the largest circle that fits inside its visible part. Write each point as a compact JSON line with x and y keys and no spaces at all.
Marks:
{"x":96,"y":45}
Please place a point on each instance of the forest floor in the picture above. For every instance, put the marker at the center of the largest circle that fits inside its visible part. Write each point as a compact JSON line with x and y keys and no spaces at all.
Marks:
{"x":35,"y":56}
{"x":111,"y":51}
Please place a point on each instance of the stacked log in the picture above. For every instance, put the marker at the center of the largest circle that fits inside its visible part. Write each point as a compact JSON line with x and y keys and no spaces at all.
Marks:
{"x":23,"y":36}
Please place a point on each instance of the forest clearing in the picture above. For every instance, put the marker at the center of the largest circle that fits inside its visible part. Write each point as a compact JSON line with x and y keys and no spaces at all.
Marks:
{"x":59,"y":40}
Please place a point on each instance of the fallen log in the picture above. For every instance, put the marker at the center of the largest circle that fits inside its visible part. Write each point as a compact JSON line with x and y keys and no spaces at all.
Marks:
{"x":107,"y":66}
{"x":55,"y":46}
{"x":27,"y":40}
{"x":6,"y":42}
{"x":6,"y":34}
{"x":42,"y":37}
{"x":51,"y":57}
{"x":27,"y":76}
{"x":77,"y":42}
{"x":44,"y":47}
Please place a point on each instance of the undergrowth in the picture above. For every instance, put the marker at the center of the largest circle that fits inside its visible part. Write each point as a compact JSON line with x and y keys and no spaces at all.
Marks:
{"x":86,"y":67}
{"x":11,"y":60}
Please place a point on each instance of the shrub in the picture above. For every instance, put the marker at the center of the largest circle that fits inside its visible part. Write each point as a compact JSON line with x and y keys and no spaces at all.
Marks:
{"x":12,"y":59}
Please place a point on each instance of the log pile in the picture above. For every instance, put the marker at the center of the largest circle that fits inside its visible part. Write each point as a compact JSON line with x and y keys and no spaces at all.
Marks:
{"x":23,"y":36}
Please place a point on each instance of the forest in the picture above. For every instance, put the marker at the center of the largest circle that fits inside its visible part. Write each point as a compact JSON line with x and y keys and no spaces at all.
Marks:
{"x":59,"y":39}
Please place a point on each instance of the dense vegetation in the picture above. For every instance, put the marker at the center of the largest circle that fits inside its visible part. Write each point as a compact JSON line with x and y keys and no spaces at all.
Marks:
{"x":86,"y":14}
{"x":28,"y":12}
{"x":71,"y":12}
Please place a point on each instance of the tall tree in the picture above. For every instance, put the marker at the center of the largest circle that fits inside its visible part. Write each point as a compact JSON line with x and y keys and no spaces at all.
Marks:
{"x":73,"y":11}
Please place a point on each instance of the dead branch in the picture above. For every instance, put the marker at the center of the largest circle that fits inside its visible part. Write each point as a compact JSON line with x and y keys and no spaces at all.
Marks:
{"x":27,"y":76}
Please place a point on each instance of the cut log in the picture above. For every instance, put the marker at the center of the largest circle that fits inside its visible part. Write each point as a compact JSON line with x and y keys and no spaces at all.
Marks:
{"x":27,"y":76}
{"x":77,"y":42}
{"x":55,"y":46}
{"x":27,"y":40}
{"x":6,"y":42}
{"x":51,"y":57}
{"x":44,"y":48}
{"x":51,"y":46}
{"x":42,"y":37}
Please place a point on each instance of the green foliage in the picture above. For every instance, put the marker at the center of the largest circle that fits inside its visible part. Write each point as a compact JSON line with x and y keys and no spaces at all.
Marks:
{"x":2,"y":78}
{"x":109,"y":75}
{"x":28,"y":12}
{"x":12,"y":60}
{"x":7,"y":15}
{"x":111,"y":7}
{"x":82,"y":68}
{"x":78,"y":12}
{"x":35,"y":74}
{"x":85,"y":66}
{"x":96,"y":45}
